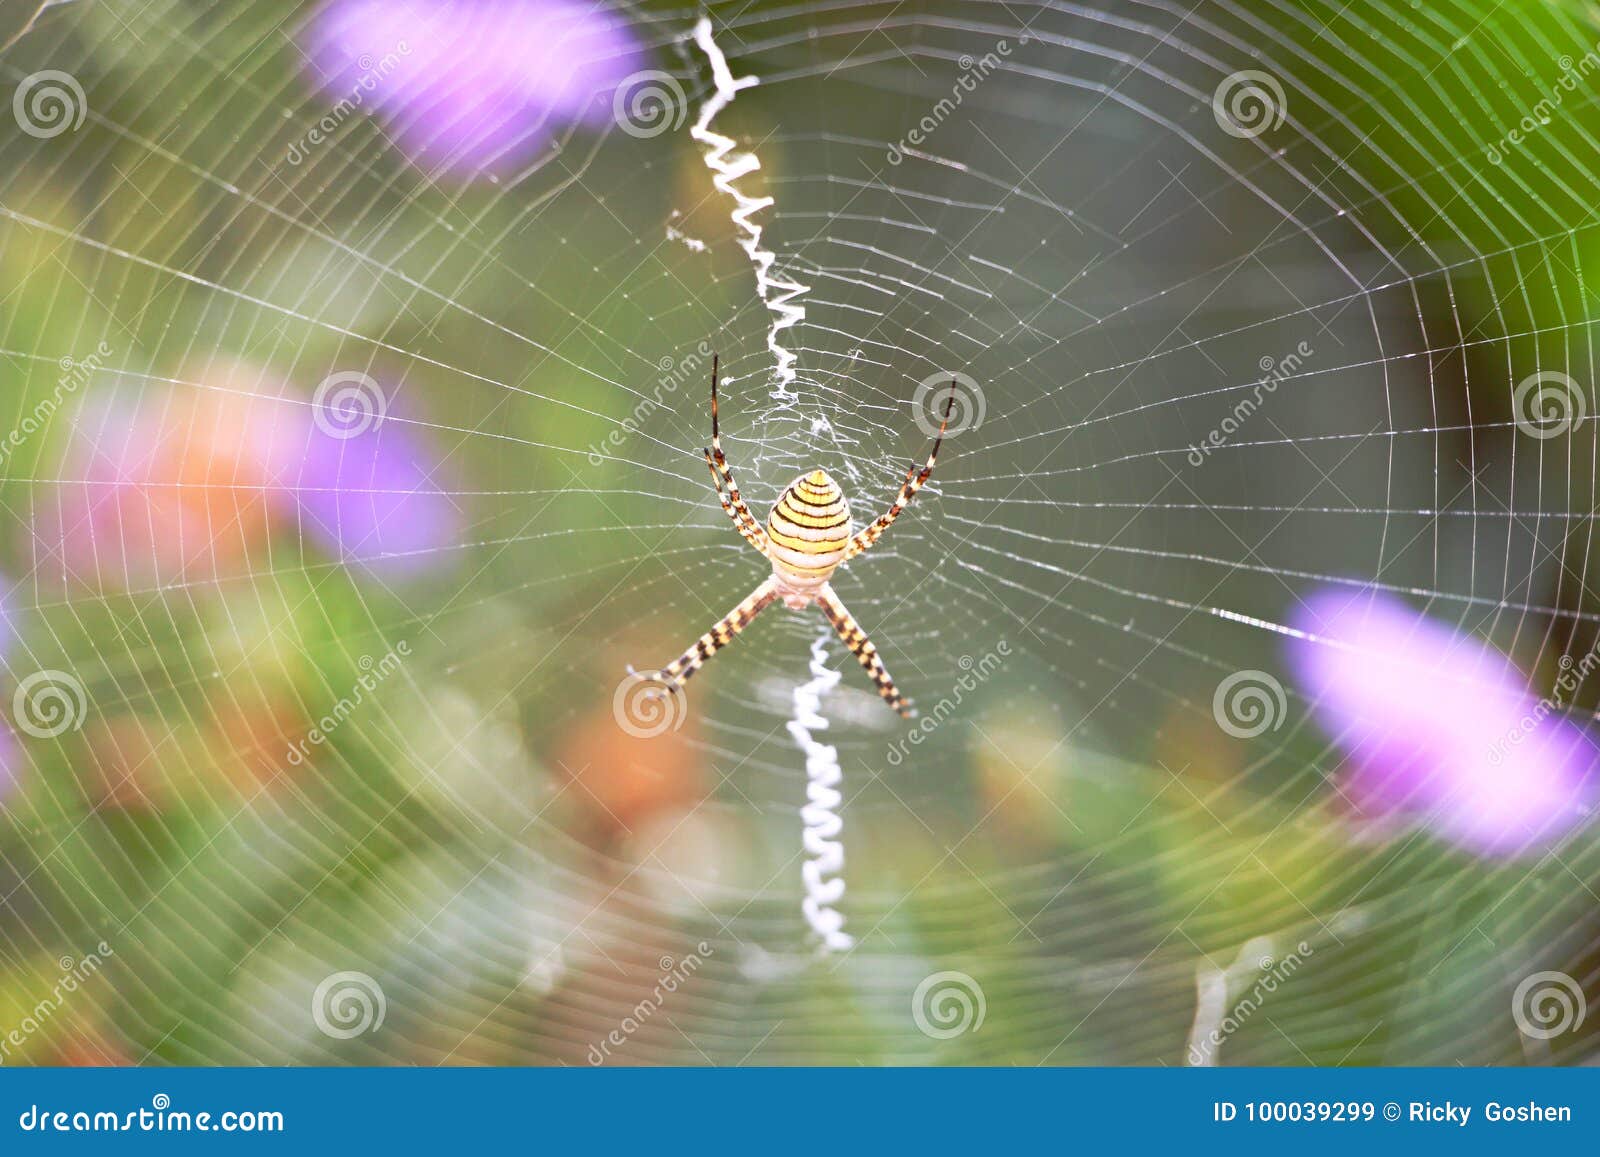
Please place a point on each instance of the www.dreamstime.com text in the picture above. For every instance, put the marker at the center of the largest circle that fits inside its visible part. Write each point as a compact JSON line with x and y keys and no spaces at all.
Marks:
{"x":160,"y":1117}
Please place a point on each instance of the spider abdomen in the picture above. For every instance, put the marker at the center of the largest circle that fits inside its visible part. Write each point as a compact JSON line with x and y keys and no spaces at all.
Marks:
{"x":810,"y":529}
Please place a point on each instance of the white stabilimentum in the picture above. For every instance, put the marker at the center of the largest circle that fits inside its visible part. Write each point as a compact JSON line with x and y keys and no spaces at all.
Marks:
{"x":778,"y":293}
{"x":824,"y":853}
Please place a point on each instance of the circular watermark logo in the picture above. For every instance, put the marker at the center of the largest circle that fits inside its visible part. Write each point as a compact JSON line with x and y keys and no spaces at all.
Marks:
{"x":1248,"y":103}
{"x":49,"y":103}
{"x":1548,"y":1004}
{"x":646,"y":705}
{"x":348,"y":403}
{"x":948,"y":1004}
{"x":649,"y":103}
{"x":956,"y":393}
{"x":347,"y":1004}
{"x":1248,"y":704}
{"x":49,"y":703}
{"x":1548,"y":404}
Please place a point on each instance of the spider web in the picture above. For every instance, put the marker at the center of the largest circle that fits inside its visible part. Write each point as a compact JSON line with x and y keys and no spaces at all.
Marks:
{"x":1107,"y":261}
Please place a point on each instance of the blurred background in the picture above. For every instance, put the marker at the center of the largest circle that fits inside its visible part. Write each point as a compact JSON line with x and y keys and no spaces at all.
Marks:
{"x":354,"y":368}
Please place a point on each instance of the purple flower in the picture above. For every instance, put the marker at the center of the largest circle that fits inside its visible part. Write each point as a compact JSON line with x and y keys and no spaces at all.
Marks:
{"x":1440,"y":725}
{"x":373,"y":497}
{"x":471,"y":85}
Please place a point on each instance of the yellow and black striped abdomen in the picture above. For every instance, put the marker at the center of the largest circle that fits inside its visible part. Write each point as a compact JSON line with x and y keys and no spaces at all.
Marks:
{"x":809,"y":528}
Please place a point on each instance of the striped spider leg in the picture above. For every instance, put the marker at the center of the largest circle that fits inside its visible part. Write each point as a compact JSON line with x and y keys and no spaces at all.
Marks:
{"x":806,"y":538}
{"x":721,"y":473}
{"x":676,"y":673}
{"x":915,"y":479}
{"x":862,"y":648}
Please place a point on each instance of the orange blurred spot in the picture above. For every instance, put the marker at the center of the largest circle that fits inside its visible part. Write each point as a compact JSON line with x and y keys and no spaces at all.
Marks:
{"x":620,"y":779}
{"x":125,"y":767}
{"x":89,"y":1050}
{"x":1021,"y":779}
{"x":250,"y":741}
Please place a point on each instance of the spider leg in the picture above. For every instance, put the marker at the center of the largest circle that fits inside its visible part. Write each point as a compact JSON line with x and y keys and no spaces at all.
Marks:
{"x":914,"y":481}
{"x":861,"y":647}
{"x":754,"y":533}
{"x":678,"y":672}
{"x":732,"y":501}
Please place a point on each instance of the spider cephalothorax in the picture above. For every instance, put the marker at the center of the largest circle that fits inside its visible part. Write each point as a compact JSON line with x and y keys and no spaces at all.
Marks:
{"x":808,"y":534}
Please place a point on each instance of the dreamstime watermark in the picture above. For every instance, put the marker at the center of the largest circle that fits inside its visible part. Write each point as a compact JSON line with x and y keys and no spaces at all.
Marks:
{"x":1547,"y":1004}
{"x":647,"y":704}
{"x":49,"y":103}
{"x":1572,"y":675}
{"x":1249,"y":703}
{"x":373,"y":673}
{"x":1572,"y":72}
{"x":159,"y":1118}
{"x":1275,"y":371}
{"x":1248,"y":103}
{"x":649,"y":103}
{"x":1203,"y":1049}
{"x":673,"y":974}
{"x":973,"y":73}
{"x":954,"y":393}
{"x":50,"y":703}
{"x":75,"y":374}
{"x":947,"y":1004}
{"x":348,"y":403}
{"x":674,"y":372}
{"x":1548,"y":404}
{"x":74,"y":973}
{"x":372,"y":71}
{"x":347,"y":1004}
{"x":976,"y":672}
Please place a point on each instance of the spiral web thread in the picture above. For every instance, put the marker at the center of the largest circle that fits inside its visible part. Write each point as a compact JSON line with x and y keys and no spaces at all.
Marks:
{"x":1075,"y":839}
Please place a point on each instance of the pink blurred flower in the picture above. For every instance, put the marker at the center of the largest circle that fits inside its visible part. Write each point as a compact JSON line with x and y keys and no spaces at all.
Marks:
{"x":472,"y":85}
{"x":176,"y":489}
{"x":1432,"y":722}
{"x":184,"y":487}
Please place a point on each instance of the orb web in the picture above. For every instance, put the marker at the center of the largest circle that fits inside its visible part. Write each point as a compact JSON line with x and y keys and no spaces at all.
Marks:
{"x":1239,"y":300}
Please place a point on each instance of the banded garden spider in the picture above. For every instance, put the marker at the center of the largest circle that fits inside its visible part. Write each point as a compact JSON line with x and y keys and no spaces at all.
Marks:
{"x":807,"y":536}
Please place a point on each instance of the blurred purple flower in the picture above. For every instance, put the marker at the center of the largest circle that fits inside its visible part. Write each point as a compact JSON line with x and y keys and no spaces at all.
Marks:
{"x":372,"y":497}
{"x":472,"y":85}
{"x":1436,"y":723}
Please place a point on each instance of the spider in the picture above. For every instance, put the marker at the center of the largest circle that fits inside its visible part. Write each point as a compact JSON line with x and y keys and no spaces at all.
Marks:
{"x":807,"y":536}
